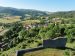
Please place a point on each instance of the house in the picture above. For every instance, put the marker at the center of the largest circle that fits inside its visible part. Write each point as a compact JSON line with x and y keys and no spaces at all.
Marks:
{"x":56,"y":20}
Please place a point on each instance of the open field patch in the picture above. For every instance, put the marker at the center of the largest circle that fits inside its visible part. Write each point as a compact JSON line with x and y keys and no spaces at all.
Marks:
{"x":9,"y":20}
{"x":46,"y":52}
{"x":30,"y":21}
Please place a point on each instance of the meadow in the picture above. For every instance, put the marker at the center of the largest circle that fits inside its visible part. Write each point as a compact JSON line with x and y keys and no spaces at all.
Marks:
{"x":9,"y":20}
{"x":30,"y":21}
{"x":46,"y":52}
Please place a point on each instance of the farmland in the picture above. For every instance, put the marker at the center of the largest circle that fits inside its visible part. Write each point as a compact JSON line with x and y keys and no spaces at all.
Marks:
{"x":46,"y":52}
{"x":30,"y":21}
{"x":10,"y":19}
{"x":51,"y":52}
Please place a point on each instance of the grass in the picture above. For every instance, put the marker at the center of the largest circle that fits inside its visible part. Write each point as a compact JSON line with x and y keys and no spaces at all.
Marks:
{"x":71,"y":45}
{"x":46,"y":52}
{"x":30,"y":21}
{"x":3,"y":31}
{"x":12,"y":51}
{"x":1,"y":28}
{"x":2,"y":20}
{"x":51,"y":52}
{"x":8,"y":21}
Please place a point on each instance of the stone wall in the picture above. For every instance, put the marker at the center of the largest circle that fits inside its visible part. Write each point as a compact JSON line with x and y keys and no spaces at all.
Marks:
{"x":55,"y":43}
{"x":21,"y":52}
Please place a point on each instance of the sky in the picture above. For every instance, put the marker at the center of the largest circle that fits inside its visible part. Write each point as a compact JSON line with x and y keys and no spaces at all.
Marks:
{"x":43,"y":5}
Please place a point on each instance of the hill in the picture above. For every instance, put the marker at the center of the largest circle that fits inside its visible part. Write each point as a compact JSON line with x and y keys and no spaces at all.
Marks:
{"x":63,"y":14}
{"x":8,"y":11}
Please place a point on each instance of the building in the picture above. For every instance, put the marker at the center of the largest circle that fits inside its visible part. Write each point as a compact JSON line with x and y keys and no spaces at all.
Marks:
{"x":56,"y":20}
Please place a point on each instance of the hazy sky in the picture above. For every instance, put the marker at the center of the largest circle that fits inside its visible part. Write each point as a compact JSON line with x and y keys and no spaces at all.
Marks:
{"x":44,"y":5}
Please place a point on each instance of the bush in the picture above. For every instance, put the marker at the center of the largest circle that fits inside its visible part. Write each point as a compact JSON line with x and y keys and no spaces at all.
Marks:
{"x":67,"y":53}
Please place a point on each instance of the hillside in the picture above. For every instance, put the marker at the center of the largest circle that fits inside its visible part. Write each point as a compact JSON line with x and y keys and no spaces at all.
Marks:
{"x":46,"y":52}
{"x":8,"y":11}
{"x":63,"y":14}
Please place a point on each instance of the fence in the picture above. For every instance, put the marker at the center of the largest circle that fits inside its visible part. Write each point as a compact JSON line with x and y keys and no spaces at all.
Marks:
{"x":21,"y":52}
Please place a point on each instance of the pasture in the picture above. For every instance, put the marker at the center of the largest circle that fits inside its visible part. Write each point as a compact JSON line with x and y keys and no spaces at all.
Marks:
{"x":46,"y":52}
{"x":9,"y":20}
{"x":30,"y":21}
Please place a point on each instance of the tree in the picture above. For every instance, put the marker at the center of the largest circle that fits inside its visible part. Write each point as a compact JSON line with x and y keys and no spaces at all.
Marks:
{"x":33,"y":32}
{"x":69,"y":38}
{"x":69,"y":35}
{"x":50,"y":34}
{"x":67,"y":53}
{"x":22,"y":18}
{"x":56,"y":28}
{"x":42,"y":35}
{"x":51,"y":26}
{"x":42,"y":21}
{"x":22,"y":34}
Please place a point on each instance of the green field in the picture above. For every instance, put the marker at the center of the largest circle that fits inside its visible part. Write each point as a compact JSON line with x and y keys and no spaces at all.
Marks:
{"x":30,"y":21}
{"x":1,"y":28}
{"x":9,"y":20}
{"x":46,"y":52}
{"x":51,"y":52}
{"x":3,"y":31}
{"x":71,"y":45}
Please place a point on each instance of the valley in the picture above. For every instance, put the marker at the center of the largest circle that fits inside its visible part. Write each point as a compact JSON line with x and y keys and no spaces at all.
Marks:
{"x":26,"y":29}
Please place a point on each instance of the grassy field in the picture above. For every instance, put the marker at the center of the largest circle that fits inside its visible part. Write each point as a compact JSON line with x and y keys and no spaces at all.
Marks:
{"x":9,"y":20}
{"x":1,"y":28}
{"x":2,"y":32}
{"x":46,"y":52}
{"x":30,"y":21}
{"x":71,"y":45}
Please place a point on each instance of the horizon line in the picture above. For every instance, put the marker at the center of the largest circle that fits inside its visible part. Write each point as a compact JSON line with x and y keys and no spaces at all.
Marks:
{"x":37,"y":9}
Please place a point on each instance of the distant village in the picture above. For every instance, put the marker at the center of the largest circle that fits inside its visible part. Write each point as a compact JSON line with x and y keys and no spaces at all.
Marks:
{"x":35,"y":25}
